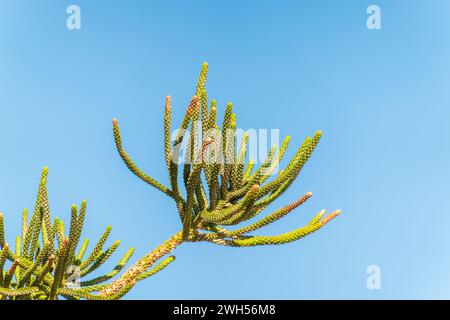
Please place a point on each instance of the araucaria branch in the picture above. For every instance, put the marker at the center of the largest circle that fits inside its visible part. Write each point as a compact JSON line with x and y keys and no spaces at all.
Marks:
{"x":221,"y":187}
{"x":46,"y":264}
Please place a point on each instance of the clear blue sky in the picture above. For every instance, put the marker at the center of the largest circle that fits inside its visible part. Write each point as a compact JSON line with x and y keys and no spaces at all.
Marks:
{"x":381,"y":98}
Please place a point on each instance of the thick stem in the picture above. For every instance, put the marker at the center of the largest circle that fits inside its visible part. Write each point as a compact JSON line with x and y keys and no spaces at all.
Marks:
{"x":129,"y":276}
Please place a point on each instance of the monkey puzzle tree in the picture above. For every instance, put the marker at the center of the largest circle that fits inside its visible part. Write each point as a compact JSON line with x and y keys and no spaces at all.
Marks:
{"x":221,"y":187}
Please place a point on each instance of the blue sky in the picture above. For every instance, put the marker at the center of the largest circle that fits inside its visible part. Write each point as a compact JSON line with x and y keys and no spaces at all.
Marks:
{"x":380,"y":96}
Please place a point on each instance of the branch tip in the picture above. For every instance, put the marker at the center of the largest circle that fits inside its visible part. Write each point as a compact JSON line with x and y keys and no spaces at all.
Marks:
{"x":331,"y":216}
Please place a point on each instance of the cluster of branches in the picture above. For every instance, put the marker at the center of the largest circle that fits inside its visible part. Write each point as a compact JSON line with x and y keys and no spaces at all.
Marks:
{"x":221,"y":190}
{"x":221,"y":187}
{"x":48,"y":263}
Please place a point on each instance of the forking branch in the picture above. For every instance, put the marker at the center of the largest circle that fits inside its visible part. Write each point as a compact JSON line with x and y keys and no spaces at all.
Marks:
{"x":221,"y":188}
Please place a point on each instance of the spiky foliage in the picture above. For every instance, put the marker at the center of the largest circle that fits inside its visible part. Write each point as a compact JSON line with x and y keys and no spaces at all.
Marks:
{"x":47,"y":263}
{"x":221,"y":188}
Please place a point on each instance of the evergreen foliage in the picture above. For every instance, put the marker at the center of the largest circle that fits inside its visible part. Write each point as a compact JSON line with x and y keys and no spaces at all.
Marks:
{"x":48,"y":262}
{"x":222,"y":189}
{"x":223,"y":198}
